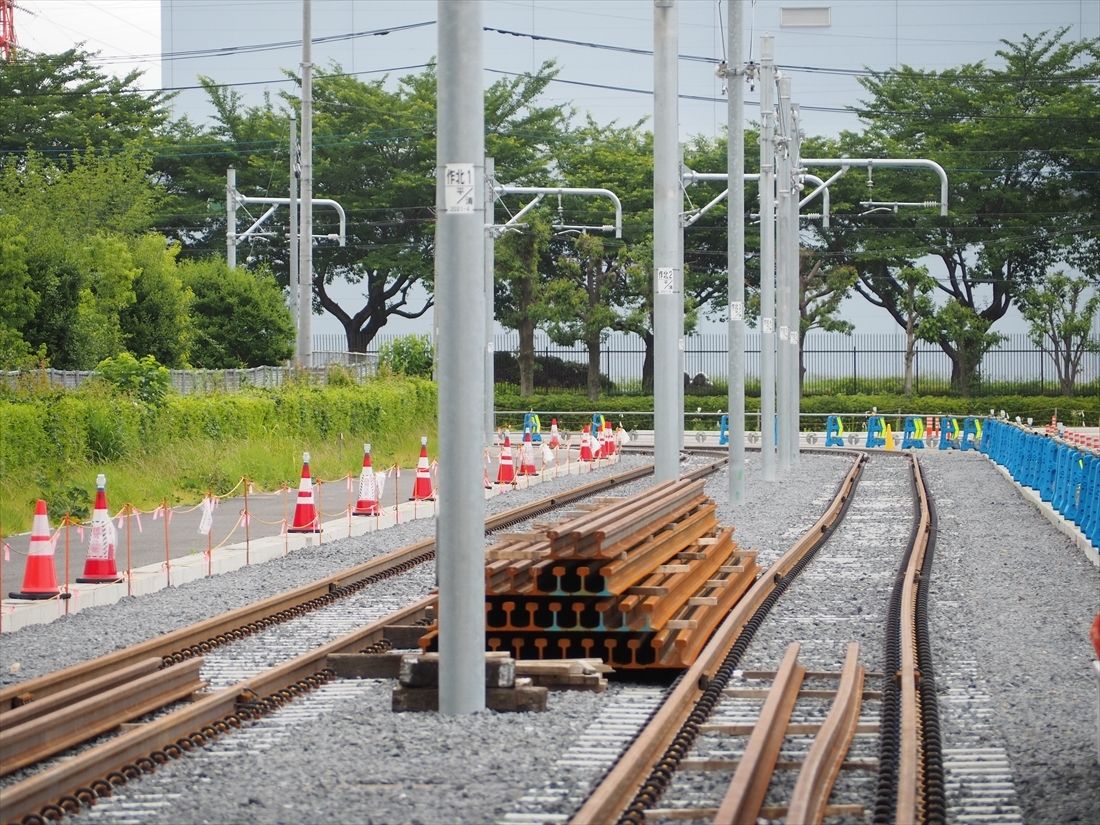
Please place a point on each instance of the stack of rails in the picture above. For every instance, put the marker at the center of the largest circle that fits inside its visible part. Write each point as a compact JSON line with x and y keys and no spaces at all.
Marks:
{"x":639,"y":582}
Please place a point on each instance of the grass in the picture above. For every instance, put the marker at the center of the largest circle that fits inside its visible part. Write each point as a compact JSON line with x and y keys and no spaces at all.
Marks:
{"x":187,"y":471}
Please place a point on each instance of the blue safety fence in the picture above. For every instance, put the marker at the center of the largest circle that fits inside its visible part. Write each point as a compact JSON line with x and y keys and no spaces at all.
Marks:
{"x":1065,"y":476}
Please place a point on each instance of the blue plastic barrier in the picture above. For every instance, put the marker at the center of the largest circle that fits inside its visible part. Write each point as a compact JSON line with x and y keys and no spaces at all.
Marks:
{"x":1066,"y":476}
{"x":834,"y":432}
{"x":531,"y":422}
{"x":913,"y":436}
{"x":949,"y":431}
{"x":971,"y":434}
{"x":724,"y":427}
{"x":875,"y":431}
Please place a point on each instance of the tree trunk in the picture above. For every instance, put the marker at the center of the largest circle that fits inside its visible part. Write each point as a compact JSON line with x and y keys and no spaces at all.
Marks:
{"x":910,"y":345}
{"x":964,"y":368}
{"x":526,"y":332}
{"x":647,"y":364}
{"x":593,"y":345}
{"x":358,"y":339}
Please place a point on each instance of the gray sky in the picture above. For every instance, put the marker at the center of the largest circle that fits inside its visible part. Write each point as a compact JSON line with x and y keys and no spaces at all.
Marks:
{"x":595,"y":43}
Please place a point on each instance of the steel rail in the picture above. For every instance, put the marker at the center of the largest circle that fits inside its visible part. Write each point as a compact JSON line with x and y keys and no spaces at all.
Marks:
{"x":810,"y":797}
{"x":911,"y":749}
{"x":630,"y":774}
{"x":195,"y":639}
{"x":749,"y":785}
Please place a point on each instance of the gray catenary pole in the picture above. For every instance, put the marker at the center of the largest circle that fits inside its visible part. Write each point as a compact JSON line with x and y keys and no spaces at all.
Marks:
{"x":795,"y":321}
{"x":292,"y":255}
{"x":783,"y":274}
{"x":667,"y":304}
{"x":735,"y":164}
{"x":305,"y":274}
{"x":489,"y":415}
{"x":767,"y":258}
{"x":460,"y":310}
{"x":231,"y":217}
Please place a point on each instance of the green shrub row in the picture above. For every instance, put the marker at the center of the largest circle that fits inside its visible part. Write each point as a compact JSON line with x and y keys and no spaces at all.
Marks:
{"x":64,"y":428}
{"x":636,"y":412}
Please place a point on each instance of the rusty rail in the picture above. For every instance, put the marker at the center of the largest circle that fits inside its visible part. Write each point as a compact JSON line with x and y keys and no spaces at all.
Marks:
{"x":627,"y":777}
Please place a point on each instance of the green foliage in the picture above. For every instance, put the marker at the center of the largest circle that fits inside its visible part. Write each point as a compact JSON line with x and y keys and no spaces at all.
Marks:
{"x":145,"y":380}
{"x":238,"y":317}
{"x":157,"y":324}
{"x":1060,"y":317}
{"x":410,"y":355}
{"x":550,"y":373}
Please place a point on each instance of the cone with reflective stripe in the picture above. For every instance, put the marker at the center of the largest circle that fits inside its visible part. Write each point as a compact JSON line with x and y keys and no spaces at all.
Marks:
{"x":555,"y":436}
{"x":40,"y":578}
{"x":99,"y":565}
{"x":527,"y":456}
{"x":506,"y":471}
{"x":586,"y":444}
{"x":608,"y":440}
{"x":422,"y":487}
{"x":367,"y":504}
{"x":306,"y":519}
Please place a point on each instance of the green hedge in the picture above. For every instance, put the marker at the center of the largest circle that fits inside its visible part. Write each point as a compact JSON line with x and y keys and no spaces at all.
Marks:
{"x":47,"y":430}
{"x":637,"y":411}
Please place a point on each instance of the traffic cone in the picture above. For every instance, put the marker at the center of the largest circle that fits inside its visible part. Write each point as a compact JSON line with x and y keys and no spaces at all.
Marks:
{"x":555,"y":436}
{"x":422,"y":487}
{"x":586,"y":444}
{"x":305,"y":511}
{"x":40,"y":579}
{"x":367,"y":504}
{"x":99,"y":565}
{"x":527,"y":456}
{"x":505,"y":470}
{"x":609,"y":440}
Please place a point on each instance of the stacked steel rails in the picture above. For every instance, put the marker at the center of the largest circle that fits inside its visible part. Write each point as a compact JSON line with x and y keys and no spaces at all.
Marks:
{"x":734,"y":745}
{"x":128,"y":706}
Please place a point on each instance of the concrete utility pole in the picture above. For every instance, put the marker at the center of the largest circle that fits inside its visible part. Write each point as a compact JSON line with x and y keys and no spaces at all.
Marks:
{"x":735,"y":270}
{"x":292,"y":256}
{"x":305,"y":300}
{"x":460,"y":302}
{"x":490,"y":299}
{"x":231,"y":217}
{"x":668,"y":306}
{"x":767,"y":257}
{"x":795,"y":321}
{"x":783,"y":181}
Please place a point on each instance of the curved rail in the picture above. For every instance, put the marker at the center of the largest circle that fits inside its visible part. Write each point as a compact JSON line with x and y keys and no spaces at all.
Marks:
{"x":632,"y":780}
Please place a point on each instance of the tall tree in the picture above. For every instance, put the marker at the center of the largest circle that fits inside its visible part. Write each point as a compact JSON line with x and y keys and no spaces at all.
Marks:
{"x":1060,"y":314}
{"x":1019,"y":142}
{"x":523,"y":298}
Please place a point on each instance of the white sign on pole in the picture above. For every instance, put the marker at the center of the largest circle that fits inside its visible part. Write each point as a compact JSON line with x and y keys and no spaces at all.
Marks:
{"x":666,"y":280}
{"x":458,"y":188}
{"x":737,"y":311}
{"x":767,"y":325}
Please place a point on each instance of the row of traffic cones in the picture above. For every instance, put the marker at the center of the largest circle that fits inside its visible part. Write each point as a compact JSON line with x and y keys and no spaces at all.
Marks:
{"x":40,"y":575}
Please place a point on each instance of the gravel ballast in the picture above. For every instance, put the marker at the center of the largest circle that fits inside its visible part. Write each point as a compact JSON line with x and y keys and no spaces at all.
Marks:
{"x":1018,"y":597}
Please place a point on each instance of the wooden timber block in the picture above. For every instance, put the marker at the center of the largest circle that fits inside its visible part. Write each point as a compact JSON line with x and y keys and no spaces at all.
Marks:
{"x":365,"y":665}
{"x":509,"y":700}
{"x":404,"y":636}
{"x":422,"y":670}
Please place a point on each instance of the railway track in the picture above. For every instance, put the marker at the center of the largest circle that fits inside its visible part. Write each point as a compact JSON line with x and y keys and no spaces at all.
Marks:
{"x":763,"y":727}
{"x":225,"y":673}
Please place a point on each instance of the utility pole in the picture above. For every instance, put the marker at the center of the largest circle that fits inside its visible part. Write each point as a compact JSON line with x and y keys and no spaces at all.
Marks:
{"x":767,"y":257}
{"x":231,"y":217}
{"x":292,"y":256}
{"x":460,"y":314}
{"x":783,"y":232}
{"x":305,"y":300}
{"x":735,"y":268}
{"x":796,"y":285}
{"x":490,"y":299}
{"x":667,"y":303}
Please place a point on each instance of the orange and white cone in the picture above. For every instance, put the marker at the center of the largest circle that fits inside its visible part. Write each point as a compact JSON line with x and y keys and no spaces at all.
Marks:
{"x":586,"y":444}
{"x":306,"y":519}
{"x":40,"y":578}
{"x":608,"y":440}
{"x":555,"y":436}
{"x":99,"y":565}
{"x":527,"y":456}
{"x":369,"y":494}
{"x":506,"y":471}
{"x":422,"y":487}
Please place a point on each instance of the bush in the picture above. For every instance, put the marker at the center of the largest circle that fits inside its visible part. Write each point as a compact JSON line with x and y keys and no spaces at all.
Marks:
{"x":551,"y":373}
{"x":145,"y":380}
{"x":408,"y":355}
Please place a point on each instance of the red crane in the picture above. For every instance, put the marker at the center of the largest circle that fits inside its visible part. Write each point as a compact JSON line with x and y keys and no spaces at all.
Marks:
{"x":7,"y":28}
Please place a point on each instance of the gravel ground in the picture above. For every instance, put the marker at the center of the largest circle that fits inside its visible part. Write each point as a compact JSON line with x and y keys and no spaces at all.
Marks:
{"x":358,"y":763}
